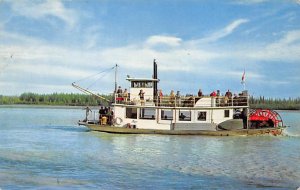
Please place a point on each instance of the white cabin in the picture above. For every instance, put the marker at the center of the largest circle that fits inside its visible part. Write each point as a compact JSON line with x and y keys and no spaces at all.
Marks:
{"x":173,"y":113}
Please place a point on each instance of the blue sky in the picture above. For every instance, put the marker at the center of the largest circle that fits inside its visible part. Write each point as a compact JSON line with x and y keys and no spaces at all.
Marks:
{"x":207,"y":44}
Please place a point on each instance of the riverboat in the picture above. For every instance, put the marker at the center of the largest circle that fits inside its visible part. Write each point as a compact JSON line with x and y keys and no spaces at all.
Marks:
{"x":145,"y":110}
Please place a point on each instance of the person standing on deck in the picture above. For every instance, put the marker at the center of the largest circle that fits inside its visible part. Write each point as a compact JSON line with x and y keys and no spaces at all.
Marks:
{"x":172,"y":97}
{"x":110,"y":115}
{"x":87,"y":112}
{"x":125,"y":95}
{"x":160,"y":96}
{"x":141,"y":94}
{"x":200,"y":93}
{"x":120,"y":93}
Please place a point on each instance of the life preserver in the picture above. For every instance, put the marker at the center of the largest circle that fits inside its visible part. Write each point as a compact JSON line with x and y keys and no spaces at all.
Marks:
{"x":118,"y":120}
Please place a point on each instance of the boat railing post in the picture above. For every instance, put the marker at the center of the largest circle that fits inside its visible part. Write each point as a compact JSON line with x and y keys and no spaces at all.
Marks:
{"x":175,"y":101}
{"x":194,"y":101}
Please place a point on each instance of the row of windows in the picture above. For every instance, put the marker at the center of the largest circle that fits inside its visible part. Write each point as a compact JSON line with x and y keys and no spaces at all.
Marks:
{"x":184,"y":115}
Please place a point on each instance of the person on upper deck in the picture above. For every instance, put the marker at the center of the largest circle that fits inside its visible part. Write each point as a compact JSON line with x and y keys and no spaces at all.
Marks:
{"x":120,"y":94}
{"x":200,"y":93}
{"x":119,"y":91}
{"x":172,"y":97}
{"x":160,"y":96}
{"x":228,"y":94}
{"x":125,"y":95}
{"x":141,"y":94}
{"x":213,"y":94}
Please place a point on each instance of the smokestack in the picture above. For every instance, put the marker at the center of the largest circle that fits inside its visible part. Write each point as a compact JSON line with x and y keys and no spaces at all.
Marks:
{"x":154,"y":77}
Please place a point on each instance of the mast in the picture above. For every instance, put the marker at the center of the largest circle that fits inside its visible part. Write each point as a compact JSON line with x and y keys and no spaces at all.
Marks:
{"x":154,"y":77}
{"x":116,"y":72}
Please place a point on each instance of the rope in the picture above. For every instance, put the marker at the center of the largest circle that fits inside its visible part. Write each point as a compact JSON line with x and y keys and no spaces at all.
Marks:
{"x":95,"y":74}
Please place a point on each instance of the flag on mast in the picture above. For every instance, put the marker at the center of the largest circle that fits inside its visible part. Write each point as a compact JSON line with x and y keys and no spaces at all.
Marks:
{"x":243,"y":78}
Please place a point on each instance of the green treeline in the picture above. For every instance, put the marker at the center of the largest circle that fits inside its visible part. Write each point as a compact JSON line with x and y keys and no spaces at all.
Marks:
{"x":275,"y":104}
{"x":53,"y":99}
{"x":84,"y":100}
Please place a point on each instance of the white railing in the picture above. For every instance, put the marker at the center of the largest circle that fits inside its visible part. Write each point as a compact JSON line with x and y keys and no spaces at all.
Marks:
{"x":185,"y":101}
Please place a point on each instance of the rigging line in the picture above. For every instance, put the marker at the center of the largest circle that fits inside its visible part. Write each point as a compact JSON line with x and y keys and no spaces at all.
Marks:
{"x":96,"y":80}
{"x":95,"y":74}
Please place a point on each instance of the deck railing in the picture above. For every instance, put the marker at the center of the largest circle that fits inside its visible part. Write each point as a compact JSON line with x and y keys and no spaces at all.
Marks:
{"x":186,"y":101}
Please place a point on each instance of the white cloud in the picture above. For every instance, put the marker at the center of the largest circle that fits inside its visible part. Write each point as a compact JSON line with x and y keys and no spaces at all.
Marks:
{"x":247,"y":2}
{"x":36,"y":10}
{"x":287,"y":48}
{"x":164,"y":40}
{"x":215,"y":36}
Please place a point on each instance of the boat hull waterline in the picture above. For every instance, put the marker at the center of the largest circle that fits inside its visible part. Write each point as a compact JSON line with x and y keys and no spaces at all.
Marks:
{"x":239,"y":132}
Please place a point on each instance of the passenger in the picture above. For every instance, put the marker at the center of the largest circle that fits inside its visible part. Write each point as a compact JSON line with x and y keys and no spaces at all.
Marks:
{"x":101,"y":113}
{"x":226,"y":100}
{"x":110,"y":116}
{"x":160,"y":96}
{"x":105,"y":110}
{"x":125,"y":95}
{"x":172,"y":97}
{"x":228,"y":94}
{"x":87,"y":112}
{"x":213,"y":94}
{"x":181,"y":117}
{"x":119,"y":93}
{"x":142,"y":94}
{"x":200,"y":93}
{"x":244,"y":115}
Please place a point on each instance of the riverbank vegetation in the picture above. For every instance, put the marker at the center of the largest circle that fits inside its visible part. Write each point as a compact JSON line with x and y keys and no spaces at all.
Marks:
{"x":59,"y":99}
{"x":88,"y":100}
{"x":275,"y":103}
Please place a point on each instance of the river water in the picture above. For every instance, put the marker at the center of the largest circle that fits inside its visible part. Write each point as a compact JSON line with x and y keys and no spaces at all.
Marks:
{"x":43,"y":148}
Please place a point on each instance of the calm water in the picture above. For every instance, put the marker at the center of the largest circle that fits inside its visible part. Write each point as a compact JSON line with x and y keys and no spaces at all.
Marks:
{"x":42,"y":148}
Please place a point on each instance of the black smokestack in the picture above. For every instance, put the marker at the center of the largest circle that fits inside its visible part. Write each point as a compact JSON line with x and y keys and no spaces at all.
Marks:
{"x":154,"y":77}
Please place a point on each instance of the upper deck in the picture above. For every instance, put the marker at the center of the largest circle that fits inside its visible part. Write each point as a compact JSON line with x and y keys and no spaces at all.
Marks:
{"x":185,"y":101}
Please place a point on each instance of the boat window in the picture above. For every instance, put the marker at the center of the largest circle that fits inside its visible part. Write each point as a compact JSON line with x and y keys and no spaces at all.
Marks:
{"x":166,"y":114}
{"x":147,"y":113}
{"x":131,"y":113}
{"x":226,"y":113}
{"x":142,"y":84}
{"x":184,"y":115}
{"x":201,"y":116}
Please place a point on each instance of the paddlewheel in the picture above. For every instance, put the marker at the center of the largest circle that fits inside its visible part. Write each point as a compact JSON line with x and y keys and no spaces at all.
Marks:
{"x":260,"y":118}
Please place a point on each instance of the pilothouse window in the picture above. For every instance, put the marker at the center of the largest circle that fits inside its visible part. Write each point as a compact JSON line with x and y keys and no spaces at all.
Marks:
{"x":142,"y":84}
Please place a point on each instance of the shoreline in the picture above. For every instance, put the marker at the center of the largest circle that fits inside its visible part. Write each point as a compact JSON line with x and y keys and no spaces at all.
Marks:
{"x":43,"y":106}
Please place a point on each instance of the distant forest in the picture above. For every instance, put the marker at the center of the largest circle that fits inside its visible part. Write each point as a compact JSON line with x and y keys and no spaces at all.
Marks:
{"x":88,"y":100}
{"x":59,"y":99}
